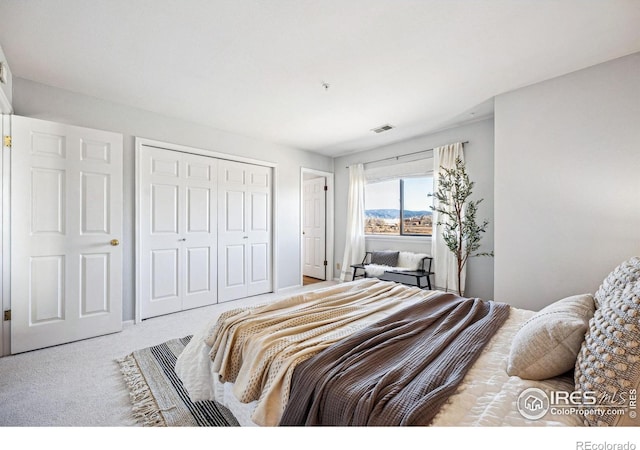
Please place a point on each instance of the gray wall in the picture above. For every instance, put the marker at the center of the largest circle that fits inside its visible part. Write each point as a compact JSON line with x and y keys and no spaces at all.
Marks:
{"x":567,"y":182}
{"x":6,"y":88}
{"x":43,"y":102}
{"x":479,"y":163}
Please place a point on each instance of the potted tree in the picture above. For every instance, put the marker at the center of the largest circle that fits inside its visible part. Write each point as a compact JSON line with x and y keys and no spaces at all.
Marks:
{"x":457,"y":216}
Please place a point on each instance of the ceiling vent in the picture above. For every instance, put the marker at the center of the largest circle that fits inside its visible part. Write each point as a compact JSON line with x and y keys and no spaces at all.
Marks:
{"x":382,"y":128}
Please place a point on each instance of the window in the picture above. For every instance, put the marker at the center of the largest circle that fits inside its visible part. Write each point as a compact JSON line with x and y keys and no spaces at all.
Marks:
{"x":399,"y":207}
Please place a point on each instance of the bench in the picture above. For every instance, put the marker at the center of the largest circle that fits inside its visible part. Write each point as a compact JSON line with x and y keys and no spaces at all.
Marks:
{"x":402,"y":267}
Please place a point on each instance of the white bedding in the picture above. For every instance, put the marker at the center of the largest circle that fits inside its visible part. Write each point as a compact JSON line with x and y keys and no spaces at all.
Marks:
{"x":194,"y":368}
{"x":486,"y":397}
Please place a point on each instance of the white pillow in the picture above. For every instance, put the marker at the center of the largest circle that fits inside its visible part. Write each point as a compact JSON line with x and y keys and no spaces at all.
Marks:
{"x":547,"y":344}
{"x":410,"y":260}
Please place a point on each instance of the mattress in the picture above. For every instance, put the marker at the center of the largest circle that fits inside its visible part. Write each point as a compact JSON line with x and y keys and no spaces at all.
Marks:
{"x":487,"y":396}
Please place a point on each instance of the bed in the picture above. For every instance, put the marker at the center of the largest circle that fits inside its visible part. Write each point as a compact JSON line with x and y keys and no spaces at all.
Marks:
{"x":372,"y":352}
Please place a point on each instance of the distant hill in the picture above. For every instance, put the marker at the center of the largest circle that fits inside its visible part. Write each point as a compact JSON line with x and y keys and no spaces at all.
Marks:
{"x":394,"y":213}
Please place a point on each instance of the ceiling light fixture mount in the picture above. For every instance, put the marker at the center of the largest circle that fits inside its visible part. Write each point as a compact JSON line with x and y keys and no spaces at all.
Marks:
{"x":325,"y":85}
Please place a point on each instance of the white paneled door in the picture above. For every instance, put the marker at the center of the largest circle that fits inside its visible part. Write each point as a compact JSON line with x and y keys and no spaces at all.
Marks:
{"x":66,"y":227}
{"x":177,"y":231}
{"x":314,"y":228}
{"x":244,"y":230}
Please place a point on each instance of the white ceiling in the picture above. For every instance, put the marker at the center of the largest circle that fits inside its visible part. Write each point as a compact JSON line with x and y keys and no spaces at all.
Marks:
{"x":257,"y":67}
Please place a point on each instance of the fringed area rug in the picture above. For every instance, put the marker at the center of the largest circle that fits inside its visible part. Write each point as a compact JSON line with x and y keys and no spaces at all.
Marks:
{"x":157,"y":394}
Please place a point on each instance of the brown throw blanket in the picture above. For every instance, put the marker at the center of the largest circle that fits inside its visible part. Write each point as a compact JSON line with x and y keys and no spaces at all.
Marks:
{"x":398,"y":371}
{"x":258,"y":348}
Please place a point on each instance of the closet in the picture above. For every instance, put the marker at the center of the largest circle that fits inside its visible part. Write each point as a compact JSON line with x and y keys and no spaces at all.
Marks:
{"x":204,"y":230}
{"x":244,"y":230}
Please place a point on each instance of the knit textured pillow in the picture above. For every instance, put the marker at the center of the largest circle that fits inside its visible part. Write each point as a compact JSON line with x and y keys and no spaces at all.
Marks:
{"x":548,"y":343}
{"x":385,"y":258}
{"x":626,"y":273}
{"x":609,"y":360}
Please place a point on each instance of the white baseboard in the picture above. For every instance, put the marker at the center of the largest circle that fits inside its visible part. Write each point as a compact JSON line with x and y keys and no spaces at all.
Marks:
{"x":288,"y":288}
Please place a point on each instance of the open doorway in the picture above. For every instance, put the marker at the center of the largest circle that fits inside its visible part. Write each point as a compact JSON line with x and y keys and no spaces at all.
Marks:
{"x":316,"y":226}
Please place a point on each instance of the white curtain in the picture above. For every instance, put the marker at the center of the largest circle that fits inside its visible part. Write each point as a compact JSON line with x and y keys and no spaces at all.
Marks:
{"x":444,"y":261}
{"x":354,"y":245}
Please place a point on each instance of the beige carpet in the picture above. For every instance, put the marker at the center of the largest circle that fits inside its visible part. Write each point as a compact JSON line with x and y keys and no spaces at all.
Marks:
{"x":80,"y":384}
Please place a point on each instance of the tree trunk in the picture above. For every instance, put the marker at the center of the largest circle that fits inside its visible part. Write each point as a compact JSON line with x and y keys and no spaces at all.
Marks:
{"x":459,"y":278}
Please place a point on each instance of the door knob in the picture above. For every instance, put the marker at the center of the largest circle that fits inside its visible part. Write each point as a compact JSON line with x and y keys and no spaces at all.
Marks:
{"x":114,"y":242}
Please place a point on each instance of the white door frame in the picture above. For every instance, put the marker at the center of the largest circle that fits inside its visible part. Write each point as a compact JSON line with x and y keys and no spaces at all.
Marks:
{"x":5,"y":238}
{"x":329,"y":217}
{"x":139,"y":142}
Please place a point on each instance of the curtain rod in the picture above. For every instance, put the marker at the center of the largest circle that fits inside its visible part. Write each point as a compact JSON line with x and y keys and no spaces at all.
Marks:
{"x":402,"y":156}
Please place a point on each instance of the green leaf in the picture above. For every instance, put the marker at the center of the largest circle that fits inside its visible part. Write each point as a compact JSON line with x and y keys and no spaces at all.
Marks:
{"x":457,"y":215}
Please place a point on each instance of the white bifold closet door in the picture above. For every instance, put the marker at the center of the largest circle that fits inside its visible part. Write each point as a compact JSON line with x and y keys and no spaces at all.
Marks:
{"x":244,"y":230}
{"x":66,"y":228}
{"x":178,"y":238}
